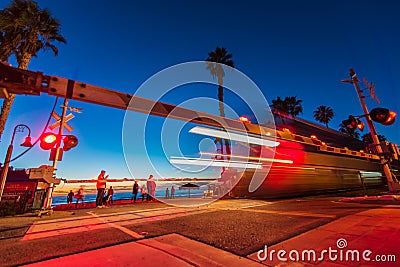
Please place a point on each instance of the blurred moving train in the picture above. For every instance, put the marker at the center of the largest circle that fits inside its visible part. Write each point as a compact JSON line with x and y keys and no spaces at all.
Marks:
{"x":323,"y":160}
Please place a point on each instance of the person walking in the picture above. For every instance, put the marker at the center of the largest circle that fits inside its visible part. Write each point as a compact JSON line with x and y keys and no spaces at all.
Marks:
{"x":70,"y":196}
{"x":167,"y":193}
{"x":135,"y":191}
{"x":80,"y":196}
{"x":101,"y":186}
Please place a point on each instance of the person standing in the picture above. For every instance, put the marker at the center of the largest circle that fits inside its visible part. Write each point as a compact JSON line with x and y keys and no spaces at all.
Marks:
{"x":101,"y":186}
{"x":110,"y":194}
{"x":151,"y":188}
{"x":167,"y":193}
{"x":135,"y":191}
{"x":69,"y":198}
{"x":143,"y":192}
{"x":173,"y":192}
{"x":23,"y":200}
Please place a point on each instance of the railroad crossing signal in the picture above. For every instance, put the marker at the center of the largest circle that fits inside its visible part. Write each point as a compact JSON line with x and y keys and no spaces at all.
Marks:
{"x":371,"y":88}
{"x":353,"y":123}
{"x":49,"y":140}
{"x":70,"y":141}
{"x":58,"y":122}
{"x":383,"y":116}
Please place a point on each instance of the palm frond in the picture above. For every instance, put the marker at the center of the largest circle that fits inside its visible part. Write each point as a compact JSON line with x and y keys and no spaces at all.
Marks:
{"x":26,"y":29}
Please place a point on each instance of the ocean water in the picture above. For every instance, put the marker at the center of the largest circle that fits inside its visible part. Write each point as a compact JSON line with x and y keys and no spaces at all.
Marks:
{"x":126,"y":193}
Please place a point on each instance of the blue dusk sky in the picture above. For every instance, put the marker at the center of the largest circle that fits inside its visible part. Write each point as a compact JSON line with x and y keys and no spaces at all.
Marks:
{"x":287,"y":48}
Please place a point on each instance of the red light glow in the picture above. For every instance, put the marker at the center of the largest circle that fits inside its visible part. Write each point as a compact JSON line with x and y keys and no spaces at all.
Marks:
{"x":392,"y":115}
{"x":244,"y":119}
{"x":360,"y":126}
{"x":249,"y":157}
{"x":287,"y":130}
{"x":50,"y":138}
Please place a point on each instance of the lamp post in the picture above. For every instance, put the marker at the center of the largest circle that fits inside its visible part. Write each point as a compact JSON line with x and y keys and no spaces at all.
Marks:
{"x":26,"y":143}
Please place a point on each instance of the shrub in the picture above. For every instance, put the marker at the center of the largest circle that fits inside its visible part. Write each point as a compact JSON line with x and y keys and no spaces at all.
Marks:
{"x":8,"y":208}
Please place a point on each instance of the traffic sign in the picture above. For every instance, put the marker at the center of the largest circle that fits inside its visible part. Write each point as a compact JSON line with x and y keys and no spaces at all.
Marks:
{"x":58,"y":122}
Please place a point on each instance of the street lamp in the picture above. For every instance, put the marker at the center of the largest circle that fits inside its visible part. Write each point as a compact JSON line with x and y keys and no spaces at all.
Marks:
{"x":26,"y":143}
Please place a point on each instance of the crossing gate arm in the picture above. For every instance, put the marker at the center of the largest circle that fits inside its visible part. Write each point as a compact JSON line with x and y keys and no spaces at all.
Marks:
{"x":18,"y":81}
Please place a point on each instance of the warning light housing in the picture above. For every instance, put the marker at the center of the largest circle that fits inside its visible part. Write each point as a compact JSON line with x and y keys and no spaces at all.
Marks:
{"x":383,"y":116}
{"x":48,"y":140}
{"x":353,"y":123}
{"x":70,"y":141}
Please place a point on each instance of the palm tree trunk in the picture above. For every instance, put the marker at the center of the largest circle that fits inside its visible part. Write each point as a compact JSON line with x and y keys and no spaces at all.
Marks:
{"x":221,"y":101}
{"x":5,"y":111}
{"x":8,"y":102}
{"x":222,"y":114}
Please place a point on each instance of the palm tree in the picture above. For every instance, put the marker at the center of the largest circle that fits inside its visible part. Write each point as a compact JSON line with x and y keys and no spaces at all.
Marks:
{"x":349,"y":131}
{"x":279,"y":104}
{"x":25,"y":29}
{"x":290,"y":105}
{"x":324,"y":114}
{"x":214,"y":65}
{"x":295,"y":107}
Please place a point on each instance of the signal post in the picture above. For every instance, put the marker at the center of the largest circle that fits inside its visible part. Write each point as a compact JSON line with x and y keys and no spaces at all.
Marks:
{"x":69,"y":141}
{"x":393,"y":184}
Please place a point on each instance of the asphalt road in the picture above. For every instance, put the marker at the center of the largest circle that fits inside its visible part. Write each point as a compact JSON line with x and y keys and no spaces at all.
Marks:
{"x":238,"y":226}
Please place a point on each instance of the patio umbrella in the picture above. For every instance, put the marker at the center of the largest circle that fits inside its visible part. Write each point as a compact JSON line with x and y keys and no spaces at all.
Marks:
{"x":189,"y":186}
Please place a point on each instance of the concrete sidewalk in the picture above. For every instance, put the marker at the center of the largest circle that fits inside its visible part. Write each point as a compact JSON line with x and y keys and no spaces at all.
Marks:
{"x":376,"y":230}
{"x":169,"y":250}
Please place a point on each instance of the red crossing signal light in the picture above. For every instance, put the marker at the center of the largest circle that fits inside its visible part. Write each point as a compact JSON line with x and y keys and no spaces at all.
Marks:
{"x":360,"y":125}
{"x":70,"y":141}
{"x":48,"y":140}
{"x":353,"y":123}
{"x":391,"y":119}
{"x":383,"y":116}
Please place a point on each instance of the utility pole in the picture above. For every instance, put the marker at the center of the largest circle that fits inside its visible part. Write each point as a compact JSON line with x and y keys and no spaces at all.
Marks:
{"x":48,"y":200}
{"x":392,"y":185}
